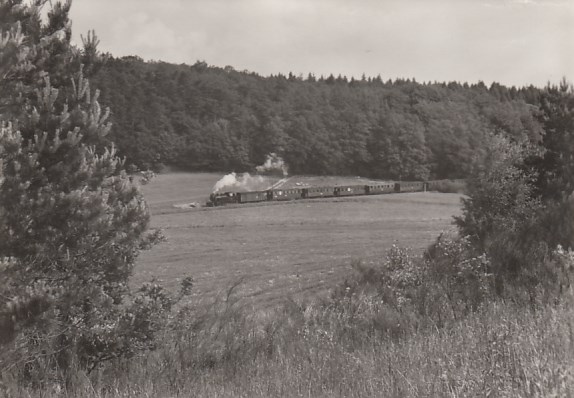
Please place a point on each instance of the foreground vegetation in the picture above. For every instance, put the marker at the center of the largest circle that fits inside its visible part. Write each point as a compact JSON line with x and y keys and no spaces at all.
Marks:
{"x":353,"y":344}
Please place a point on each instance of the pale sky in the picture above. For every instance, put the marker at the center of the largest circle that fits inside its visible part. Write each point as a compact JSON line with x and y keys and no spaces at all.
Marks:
{"x":513,"y":42}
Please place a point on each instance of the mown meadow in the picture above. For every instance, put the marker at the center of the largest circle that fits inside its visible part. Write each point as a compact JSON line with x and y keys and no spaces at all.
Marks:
{"x":279,"y":250}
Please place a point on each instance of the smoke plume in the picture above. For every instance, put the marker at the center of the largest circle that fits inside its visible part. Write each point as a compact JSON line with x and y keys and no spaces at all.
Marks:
{"x":273,"y":165}
{"x":241,"y":183}
{"x":245,"y":182}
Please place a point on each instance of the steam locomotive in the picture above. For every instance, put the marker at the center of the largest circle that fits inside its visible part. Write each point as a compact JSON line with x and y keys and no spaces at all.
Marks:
{"x":279,"y":194}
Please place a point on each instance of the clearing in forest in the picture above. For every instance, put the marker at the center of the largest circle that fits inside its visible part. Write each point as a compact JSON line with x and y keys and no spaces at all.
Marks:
{"x":291,"y":249}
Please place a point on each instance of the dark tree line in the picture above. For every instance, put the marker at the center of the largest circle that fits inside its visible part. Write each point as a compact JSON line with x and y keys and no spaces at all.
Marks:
{"x":202,"y":117}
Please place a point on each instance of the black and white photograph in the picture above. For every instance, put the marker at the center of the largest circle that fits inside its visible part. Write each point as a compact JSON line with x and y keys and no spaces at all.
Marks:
{"x":286,"y":198}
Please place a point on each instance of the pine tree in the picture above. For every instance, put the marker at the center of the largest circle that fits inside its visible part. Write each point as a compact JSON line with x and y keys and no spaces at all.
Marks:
{"x":71,"y":221}
{"x":556,"y":167}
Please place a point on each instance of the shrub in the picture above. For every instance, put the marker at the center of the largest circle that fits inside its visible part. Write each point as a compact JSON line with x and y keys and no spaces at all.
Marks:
{"x":456,"y":275}
{"x":500,"y":214}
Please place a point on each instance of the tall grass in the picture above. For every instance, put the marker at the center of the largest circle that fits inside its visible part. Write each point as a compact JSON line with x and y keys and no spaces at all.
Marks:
{"x":349,"y":346}
{"x":409,"y":326}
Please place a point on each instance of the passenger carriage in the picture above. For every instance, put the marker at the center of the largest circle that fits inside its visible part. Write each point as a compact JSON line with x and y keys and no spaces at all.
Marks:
{"x":285,"y":194}
{"x":251,"y":197}
{"x":409,"y":186}
{"x":350,"y":190}
{"x":380,"y":188}
{"x":318,"y":192}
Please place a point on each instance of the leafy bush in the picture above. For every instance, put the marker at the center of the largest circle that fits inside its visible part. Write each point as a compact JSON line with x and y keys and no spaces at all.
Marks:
{"x":455,"y":276}
{"x":500,"y":214}
{"x":405,"y":292}
{"x":517,"y":215}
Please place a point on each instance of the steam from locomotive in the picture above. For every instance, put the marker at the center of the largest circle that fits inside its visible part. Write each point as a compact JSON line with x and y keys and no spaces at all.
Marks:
{"x":273,"y":165}
{"x":244,"y":182}
{"x":241,"y":183}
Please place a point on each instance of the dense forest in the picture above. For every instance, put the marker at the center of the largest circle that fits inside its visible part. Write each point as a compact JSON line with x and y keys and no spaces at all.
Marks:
{"x":202,"y":117}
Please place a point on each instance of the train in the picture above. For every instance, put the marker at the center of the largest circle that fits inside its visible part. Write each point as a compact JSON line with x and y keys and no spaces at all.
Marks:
{"x":281,"y":194}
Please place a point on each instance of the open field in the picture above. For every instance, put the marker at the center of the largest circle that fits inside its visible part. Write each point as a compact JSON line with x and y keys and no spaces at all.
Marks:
{"x":279,"y":250}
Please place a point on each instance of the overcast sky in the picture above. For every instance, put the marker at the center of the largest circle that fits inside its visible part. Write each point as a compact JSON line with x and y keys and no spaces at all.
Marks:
{"x":514,"y":42}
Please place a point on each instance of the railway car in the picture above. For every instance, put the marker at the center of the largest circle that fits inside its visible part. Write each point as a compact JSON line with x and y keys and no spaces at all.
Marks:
{"x":409,"y":186}
{"x":380,"y":188}
{"x":318,"y":192}
{"x":429,"y":186}
{"x":285,"y":194}
{"x":251,"y":197}
{"x":456,"y":185}
{"x":222,"y":199}
{"x":432,"y":185}
{"x":350,"y":190}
